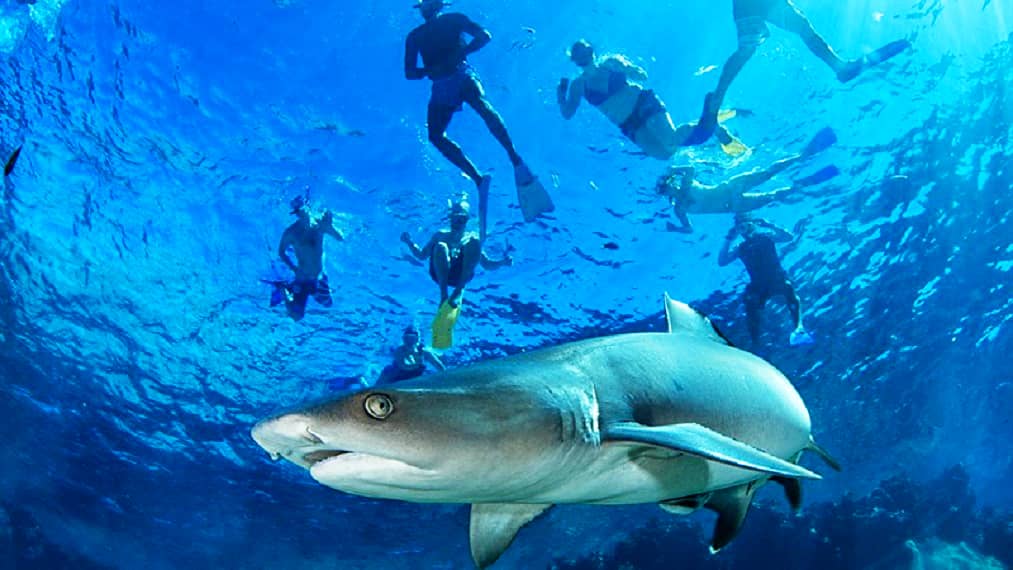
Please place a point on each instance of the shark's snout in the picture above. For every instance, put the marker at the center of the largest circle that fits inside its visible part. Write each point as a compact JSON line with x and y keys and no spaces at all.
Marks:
{"x":289,"y":437}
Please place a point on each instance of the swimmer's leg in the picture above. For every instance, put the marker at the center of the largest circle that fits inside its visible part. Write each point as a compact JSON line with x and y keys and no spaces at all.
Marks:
{"x":438,"y":121}
{"x":441,"y":269}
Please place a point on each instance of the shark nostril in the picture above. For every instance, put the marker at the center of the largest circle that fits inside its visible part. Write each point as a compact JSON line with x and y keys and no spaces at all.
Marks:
{"x":313,"y":438}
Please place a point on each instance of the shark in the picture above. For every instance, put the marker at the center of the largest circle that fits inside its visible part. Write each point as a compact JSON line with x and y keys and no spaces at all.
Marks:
{"x":680,"y":418}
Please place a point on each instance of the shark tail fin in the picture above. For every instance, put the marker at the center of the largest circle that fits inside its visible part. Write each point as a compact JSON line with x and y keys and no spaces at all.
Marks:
{"x":824,"y":455}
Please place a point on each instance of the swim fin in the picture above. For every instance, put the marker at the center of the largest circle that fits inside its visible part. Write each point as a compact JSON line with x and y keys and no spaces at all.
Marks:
{"x":854,"y":68}
{"x":818,"y":177}
{"x":443,"y":325}
{"x":12,"y":161}
{"x":820,"y":142}
{"x":725,"y":115}
{"x":531,"y":194}
{"x":734,"y":147}
{"x":799,"y":337}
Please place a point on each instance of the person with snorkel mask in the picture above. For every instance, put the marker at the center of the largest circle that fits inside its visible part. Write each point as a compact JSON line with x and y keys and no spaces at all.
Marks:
{"x":453,"y":254}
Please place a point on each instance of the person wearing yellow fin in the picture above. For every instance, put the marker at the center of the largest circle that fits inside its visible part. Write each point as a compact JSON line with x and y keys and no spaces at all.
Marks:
{"x":751,"y":21}
{"x":612,"y":84}
{"x":689,"y":196}
{"x":453,"y":254}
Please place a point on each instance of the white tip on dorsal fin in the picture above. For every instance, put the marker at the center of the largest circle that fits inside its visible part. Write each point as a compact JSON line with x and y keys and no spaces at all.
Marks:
{"x":683,"y":319}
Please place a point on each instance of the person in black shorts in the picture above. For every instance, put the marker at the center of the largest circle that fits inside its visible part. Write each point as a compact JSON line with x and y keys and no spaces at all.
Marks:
{"x":767,"y":277}
{"x":444,"y":58}
{"x":454,"y":255}
{"x":751,"y":19}
{"x":305,"y":238}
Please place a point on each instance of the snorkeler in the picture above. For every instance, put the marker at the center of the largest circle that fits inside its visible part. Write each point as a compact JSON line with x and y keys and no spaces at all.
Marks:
{"x":409,"y":359}
{"x":688,"y":196}
{"x":751,"y":19}
{"x":440,"y":43}
{"x":453,"y":256}
{"x":611,"y":84}
{"x":767,"y":278}
{"x":306,"y":238}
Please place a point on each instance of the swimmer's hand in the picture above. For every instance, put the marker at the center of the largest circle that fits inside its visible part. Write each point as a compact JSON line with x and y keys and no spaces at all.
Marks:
{"x":407,"y":239}
{"x":564,"y":86}
{"x":731,"y":234}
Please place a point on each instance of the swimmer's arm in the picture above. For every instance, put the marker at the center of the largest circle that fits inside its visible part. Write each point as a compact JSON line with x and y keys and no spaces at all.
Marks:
{"x":286,"y":241}
{"x":412,"y":71}
{"x":569,"y":93}
{"x":420,"y":253}
{"x":687,"y":226}
{"x":490,"y":264}
{"x":329,"y":227}
{"x":778,"y":234}
{"x":623,"y":65}
{"x":480,"y":37}
{"x":727,"y":254}
{"x":431,"y":357}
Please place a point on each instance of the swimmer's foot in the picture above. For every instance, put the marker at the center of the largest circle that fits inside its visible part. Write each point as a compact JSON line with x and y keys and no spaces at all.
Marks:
{"x":854,"y":68}
{"x":708,"y":122}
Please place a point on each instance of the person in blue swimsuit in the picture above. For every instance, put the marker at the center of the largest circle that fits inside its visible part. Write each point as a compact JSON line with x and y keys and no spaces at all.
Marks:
{"x":751,"y":21}
{"x":410,"y":359}
{"x":439,"y":41}
{"x":454,"y":255}
{"x":767,"y":277}
{"x":612,"y":84}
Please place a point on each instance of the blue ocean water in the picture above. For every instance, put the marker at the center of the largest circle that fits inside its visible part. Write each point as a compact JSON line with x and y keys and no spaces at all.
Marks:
{"x":162,"y":143}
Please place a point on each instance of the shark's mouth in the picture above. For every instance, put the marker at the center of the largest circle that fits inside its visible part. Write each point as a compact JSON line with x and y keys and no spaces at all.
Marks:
{"x":315,"y":457}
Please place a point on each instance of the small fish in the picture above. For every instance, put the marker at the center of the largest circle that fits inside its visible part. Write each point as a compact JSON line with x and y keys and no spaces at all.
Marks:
{"x":705,"y":70}
{"x":12,"y":162}
{"x":611,"y":245}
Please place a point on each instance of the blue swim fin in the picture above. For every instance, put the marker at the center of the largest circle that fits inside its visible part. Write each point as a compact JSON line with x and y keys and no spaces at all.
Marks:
{"x":854,"y":68}
{"x":818,"y":177}
{"x":532,"y":196}
{"x":799,"y":337}
{"x":820,"y":142}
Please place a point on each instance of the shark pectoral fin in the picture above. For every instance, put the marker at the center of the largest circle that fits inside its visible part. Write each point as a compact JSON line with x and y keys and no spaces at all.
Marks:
{"x":494,"y":526}
{"x":731,"y":505}
{"x":683,"y":319}
{"x":697,"y":440}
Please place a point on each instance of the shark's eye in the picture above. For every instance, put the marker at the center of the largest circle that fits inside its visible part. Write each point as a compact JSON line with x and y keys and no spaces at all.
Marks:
{"x":379,"y":406}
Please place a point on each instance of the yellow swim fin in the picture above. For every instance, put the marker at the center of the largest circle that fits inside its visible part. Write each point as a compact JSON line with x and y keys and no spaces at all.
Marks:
{"x":443,"y":326}
{"x":734,"y":147}
{"x":726,"y":115}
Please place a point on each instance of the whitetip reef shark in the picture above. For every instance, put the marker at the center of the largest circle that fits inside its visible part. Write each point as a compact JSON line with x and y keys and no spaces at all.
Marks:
{"x":682,"y":419}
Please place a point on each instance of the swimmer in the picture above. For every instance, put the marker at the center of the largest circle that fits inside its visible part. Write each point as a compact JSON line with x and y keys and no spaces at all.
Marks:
{"x":736,"y":195}
{"x":454,"y":254}
{"x":306,"y":239}
{"x":444,"y":54}
{"x":751,"y":19}
{"x":409,"y":359}
{"x":612,"y":84}
{"x":767,"y":277}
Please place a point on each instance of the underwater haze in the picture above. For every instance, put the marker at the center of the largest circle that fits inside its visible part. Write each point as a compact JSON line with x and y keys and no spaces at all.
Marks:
{"x":163,"y":142}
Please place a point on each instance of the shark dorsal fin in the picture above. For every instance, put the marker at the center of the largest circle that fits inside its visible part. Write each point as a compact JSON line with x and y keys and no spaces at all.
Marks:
{"x":683,"y":319}
{"x":494,"y":526}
